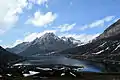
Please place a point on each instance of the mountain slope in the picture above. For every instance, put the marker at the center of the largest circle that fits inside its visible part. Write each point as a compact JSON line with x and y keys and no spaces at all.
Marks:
{"x":6,"y":57}
{"x":113,"y":30}
{"x":19,"y":48}
{"x":105,"y":46}
{"x":47,"y":43}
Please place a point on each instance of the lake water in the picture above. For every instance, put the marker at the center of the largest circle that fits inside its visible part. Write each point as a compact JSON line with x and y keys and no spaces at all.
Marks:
{"x":43,"y":60}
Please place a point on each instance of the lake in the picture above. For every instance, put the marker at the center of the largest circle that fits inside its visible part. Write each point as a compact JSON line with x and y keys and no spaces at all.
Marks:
{"x":46,"y":60}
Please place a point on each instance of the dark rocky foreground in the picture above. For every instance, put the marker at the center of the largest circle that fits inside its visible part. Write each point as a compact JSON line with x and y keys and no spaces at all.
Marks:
{"x":52,"y":72}
{"x":6,"y":56}
{"x":80,"y":76}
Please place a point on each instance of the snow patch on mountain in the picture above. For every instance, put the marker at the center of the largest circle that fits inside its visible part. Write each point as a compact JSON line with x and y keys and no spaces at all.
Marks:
{"x":117,"y":47}
{"x":46,"y":44}
{"x":102,"y":44}
{"x":98,"y":52}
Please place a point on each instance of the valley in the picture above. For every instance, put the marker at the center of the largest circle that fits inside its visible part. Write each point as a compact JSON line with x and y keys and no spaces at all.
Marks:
{"x":51,"y":56}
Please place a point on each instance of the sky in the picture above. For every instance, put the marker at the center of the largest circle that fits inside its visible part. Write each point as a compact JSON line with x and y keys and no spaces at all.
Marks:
{"x":25,"y":20}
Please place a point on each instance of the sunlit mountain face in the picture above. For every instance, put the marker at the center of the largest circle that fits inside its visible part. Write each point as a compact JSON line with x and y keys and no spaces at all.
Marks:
{"x":106,"y":44}
{"x":58,"y":40}
{"x":47,"y":44}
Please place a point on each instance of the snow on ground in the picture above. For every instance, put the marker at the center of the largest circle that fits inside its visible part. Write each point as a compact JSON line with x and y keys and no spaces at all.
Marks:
{"x":98,"y":52}
{"x":50,"y":53}
{"x":117,"y":47}
{"x":107,"y":48}
{"x":72,"y":74}
{"x":20,"y":64}
{"x":62,"y":74}
{"x":0,"y":76}
{"x":102,"y":44}
{"x":45,"y":69}
{"x":9,"y":74}
{"x":30,"y":73}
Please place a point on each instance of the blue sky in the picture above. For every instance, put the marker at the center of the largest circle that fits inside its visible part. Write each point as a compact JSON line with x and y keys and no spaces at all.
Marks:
{"x":24,"y":20}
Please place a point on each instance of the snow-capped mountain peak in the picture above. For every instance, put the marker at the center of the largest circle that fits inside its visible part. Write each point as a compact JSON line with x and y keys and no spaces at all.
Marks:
{"x":47,"y":43}
{"x":72,"y":40}
{"x":51,"y":38}
{"x":49,"y":35}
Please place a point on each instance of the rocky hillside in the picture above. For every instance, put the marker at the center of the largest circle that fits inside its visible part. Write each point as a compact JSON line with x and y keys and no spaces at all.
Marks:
{"x":6,"y":57}
{"x":106,"y":46}
{"x":46,"y":44}
{"x":113,"y":30}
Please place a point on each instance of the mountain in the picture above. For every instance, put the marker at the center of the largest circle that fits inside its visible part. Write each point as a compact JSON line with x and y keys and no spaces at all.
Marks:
{"x":46,"y":44}
{"x":113,"y":30}
{"x":71,"y":40}
{"x":6,"y":57}
{"x":105,"y":46}
{"x":19,"y":48}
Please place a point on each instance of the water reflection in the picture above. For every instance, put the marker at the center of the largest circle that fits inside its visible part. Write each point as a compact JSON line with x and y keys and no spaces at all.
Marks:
{"x":43,"y":60}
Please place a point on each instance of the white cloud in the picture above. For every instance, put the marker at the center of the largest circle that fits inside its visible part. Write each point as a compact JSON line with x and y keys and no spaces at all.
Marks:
{"x":17,"y":42}
{"x":10,"y":10}
{"x":41,"y":20}
{"x":1,"y":31}
{"x":6,"y":46}
{"x":30,"y":37}
{"x":39,"y":2}
{"x":66,"y":27}
{"x":33,"y":36}
{"x":83,"y":37}
{"x":98,"y":23}
{"x":9,"y":13}
{"x":29,"y":6}
{"x":12,"y":45}
{"x":0,"y":41}
{"x":116,"y":20}
{"x":46,"y":5}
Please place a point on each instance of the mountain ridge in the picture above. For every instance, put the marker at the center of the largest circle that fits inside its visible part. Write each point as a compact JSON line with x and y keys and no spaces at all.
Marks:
{"x":112,"y":30}
{"x":47,"y":43}
{"x":6,"y":57}
{"x":101,"y":48}
{"x":105,"y":44}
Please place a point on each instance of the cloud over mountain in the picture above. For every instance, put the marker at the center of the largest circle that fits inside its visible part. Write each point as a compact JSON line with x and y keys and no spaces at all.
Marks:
{"x":98,"y":23}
